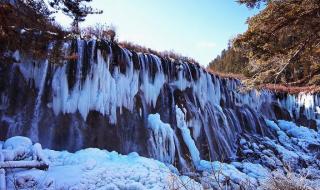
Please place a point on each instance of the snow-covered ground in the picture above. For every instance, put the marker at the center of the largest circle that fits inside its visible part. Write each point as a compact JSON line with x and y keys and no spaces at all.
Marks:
{"x":94,"y":169}
{"x":296,"y":147}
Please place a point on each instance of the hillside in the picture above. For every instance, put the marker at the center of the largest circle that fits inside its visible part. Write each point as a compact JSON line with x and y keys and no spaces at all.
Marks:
{"x":230,"y":61}
{"x":281,"y":45}
{"x":26,"y":25}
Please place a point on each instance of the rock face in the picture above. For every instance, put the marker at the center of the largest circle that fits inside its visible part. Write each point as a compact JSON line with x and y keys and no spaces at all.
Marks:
{"x":104,"y":98}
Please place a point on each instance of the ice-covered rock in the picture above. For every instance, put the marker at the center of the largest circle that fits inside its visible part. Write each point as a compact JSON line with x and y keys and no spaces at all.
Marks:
{"x":17,"y":142}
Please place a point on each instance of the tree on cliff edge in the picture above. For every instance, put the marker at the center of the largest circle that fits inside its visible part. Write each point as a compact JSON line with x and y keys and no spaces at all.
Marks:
{"x":75,"y":9}
{"x":282,"y":42}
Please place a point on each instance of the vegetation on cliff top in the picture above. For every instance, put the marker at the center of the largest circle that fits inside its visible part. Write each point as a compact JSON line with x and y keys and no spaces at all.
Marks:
{"x":31,"y":35}
{"x":26,"y":25}
{"x":281,"y":45}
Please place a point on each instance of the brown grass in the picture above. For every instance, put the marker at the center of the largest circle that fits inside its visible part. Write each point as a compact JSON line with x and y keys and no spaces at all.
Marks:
{"x":226,"y":75}
{"x":290,"y":89}
{"x":165,"y":54}
{"x":72,"y":57}
{"x":21,"y":28}
{"x":272,"y":87}
{"x":100,"y":31}
{"x":289,"y":181}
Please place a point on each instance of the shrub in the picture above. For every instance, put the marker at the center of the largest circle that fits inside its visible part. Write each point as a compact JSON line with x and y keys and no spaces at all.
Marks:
{"x":289,"y":181}
{"x":24,"y":29}
{"x":165,"y":54}
{"x":100,"y":31}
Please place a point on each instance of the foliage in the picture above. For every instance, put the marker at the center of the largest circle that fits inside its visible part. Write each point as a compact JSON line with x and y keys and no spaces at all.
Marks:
{"x":291,"y":89}
{"x":253,"y":3}
{"x":27,"y":26}
{"x":282,"y":43}
{"x":229,"y":61}
{"x":39,"y":7}
{"x":100,"y":31}
{"x":165,"y":54}
{"x":75,"y":9}
{"x":289,"y":180}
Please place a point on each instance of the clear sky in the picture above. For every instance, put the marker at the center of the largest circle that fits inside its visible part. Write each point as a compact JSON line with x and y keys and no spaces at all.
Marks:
{"x":199,"y":29}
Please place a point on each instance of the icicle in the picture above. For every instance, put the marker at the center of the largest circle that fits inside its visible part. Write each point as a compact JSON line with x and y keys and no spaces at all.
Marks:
{"x":34,"y":130}
{"x":161,"y":139}
{"x":181,"y":123}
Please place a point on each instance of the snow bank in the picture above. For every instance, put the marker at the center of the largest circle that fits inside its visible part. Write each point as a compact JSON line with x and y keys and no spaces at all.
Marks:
{"x":17,"y":142}
{"x":95,"y":169}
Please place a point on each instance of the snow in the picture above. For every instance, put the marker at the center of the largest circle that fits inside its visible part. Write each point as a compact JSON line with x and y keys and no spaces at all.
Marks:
{"x":299,"y":132}
{"x":16,"y":56}
{"x":217,"y":171}
{"x":17,"y":142}
{"x":98,"y":169}
{"x":52,"y":33}
{"x":22,"y":31}
{"x":272,"y":125}
{"x":253,"y":170}
{"x":300,"y":136}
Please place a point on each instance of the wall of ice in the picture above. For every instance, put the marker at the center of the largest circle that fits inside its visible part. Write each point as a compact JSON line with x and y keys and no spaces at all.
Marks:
{"x":110,"y":97}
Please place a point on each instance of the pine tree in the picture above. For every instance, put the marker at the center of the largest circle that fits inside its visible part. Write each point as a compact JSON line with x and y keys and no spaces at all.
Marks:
{"x":75,"y":9}
{"x":39,"y":7}
{"x":253,"y":3}
{"x":282,"y":42}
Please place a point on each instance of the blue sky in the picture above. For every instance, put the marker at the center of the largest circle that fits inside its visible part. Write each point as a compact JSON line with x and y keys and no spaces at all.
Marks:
{"x":199,"y":29}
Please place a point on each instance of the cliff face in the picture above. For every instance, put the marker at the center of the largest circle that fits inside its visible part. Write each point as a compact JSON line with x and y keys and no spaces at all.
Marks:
{"x":113,"y":98}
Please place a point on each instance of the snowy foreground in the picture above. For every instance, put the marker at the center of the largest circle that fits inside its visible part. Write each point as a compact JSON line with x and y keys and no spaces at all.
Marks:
{"x":92,"y":169}
{"x":99,"y":169}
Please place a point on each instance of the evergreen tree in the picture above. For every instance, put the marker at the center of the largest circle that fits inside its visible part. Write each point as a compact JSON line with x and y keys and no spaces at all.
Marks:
{"x":282,"y":42}
{"x":75,"y":9}
{"x":229,"y":61}
{"x":39,"y":7}
{"x":253,"y":3}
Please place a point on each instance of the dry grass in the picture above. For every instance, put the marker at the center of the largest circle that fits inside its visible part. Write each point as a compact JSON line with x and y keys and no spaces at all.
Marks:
{"x":21,"y":28}
{"x":100,"y":31}
{"x":72,"y":57}
{"x":290,"y":89}
{"x":165,"y":54}
{"x":226,"y":75}
{"x":272,"y":87}
{"x":289,"y":181}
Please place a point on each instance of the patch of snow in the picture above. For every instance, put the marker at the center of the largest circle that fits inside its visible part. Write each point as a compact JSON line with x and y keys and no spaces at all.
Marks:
{"x":16,"y":56}
{"x":217,"y":171}
{"x":17,"y":142}
{"x":253,"y":170}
